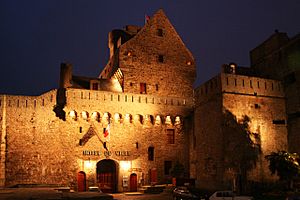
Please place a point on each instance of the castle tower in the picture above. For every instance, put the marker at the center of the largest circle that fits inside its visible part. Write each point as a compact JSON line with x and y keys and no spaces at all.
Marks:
{"x":151,"y":60}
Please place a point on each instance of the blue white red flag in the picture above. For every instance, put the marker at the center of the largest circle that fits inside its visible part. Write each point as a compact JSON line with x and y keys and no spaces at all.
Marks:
{"x":107,"y":131}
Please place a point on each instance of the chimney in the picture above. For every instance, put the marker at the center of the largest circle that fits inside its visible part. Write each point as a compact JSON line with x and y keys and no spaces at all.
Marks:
{"x":65,"y":75}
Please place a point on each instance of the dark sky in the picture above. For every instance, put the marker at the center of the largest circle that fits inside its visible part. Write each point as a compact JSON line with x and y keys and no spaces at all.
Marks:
{"x":37,"y":35}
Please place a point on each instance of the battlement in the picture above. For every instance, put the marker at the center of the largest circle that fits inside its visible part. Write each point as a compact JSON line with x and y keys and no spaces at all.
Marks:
{"x":104,"y":96}
{"x":238,"y":84}
{"x":30,"y":102}
{"x":232,"y":83}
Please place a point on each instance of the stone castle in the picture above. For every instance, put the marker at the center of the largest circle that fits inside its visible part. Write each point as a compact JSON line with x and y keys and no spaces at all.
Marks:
{"x":141,"y":117}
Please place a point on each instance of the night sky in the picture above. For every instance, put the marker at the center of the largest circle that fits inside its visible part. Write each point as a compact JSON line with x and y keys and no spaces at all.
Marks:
{"x":37,"y":35}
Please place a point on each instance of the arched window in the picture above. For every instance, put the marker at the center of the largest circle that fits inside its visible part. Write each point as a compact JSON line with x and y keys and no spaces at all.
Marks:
{"x":151,"y":153}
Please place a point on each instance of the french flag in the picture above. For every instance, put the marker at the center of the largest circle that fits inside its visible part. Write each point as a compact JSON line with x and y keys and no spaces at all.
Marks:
{"x":106,"y":130}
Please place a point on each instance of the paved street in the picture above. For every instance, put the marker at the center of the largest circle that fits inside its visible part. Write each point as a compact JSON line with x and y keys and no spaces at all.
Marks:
{"x":52,"y":194}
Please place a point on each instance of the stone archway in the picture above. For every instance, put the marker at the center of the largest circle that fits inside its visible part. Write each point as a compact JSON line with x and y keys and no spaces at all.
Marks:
{"x":107,"y":176}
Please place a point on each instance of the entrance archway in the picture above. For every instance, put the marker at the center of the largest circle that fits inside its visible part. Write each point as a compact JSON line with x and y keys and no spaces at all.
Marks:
{"x":133,"y":182}
{"x":107,"y":176}
{"x":81,"y":181}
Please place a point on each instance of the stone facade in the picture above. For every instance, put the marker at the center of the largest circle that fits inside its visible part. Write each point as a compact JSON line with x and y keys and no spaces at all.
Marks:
{"x":132,"y":124}
{"x":58,"y":136}
{"x":221,"y":106}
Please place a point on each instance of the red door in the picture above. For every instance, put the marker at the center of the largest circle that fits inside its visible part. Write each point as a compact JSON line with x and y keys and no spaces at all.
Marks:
{"x":81,"y":181}
{"x":153,"y":176}
{"x":133,"y":182}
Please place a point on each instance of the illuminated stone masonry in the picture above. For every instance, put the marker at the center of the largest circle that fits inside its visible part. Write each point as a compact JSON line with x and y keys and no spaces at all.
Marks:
{"x":138,"y":119}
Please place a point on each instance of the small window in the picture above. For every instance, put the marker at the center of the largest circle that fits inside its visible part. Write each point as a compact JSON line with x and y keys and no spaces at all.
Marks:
{"x":151,"y":153}
{"x":160,"y":58}
{"x":257,"y":84}
{"x":131,"y":84}
{"x":251,"y":83}
{"x":272,"y":86}
{"x":143,"y":88}
{"x":95,"y":86}
{"x":256,"y":106}
{"x":168,"y":167}
{"x":80,"y":129}
{"x":156,"y":87}
{"x":227,"y":81}
{"x":265,"y":85}
{"x":243,"y":82}
{"x":160,"y":32}
{"x":279,"y":121}
{"x":170,"y":136}
{"x":80,"y":142}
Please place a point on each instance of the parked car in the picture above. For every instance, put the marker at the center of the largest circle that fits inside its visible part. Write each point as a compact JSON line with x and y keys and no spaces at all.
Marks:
{"x":94,"y":189}
{"x":293,"y":197}
{"x":182,"y":193}
{"x":228,"y":195}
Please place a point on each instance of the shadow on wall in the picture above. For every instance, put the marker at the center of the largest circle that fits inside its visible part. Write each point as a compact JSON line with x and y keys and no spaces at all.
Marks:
{"x":242,"y":149}
{"x":60,"y":104}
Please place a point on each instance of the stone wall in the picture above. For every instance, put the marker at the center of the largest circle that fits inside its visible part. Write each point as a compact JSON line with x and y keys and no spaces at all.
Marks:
{"x":221,"y":105}
{"x":43,"y":149}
